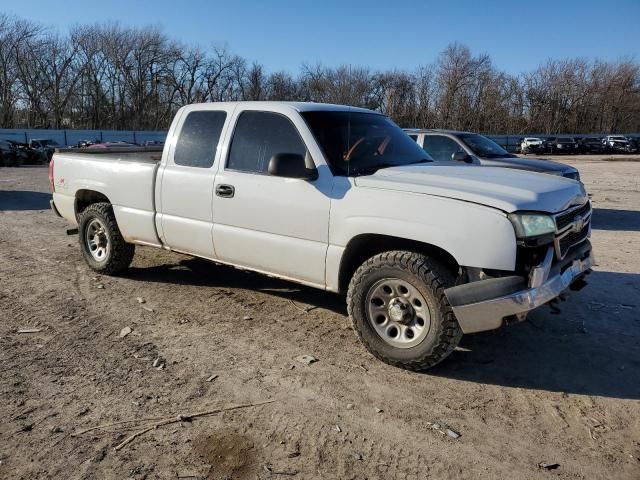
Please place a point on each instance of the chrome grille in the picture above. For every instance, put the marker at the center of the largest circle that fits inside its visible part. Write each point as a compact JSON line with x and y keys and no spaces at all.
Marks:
{"x":573,"y":226}
{"x":571,"y":239}
{"x":566,"y":218}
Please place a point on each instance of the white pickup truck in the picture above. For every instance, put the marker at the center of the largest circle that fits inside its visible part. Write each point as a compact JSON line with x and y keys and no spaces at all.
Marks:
{"x":341,"y":199}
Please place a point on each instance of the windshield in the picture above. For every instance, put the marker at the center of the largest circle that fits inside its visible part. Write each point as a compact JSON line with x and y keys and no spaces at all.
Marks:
{"x":356,"y":143}
{"x":618,"y":138}
{"x":483,"y":147}
{"x":566,"y":140}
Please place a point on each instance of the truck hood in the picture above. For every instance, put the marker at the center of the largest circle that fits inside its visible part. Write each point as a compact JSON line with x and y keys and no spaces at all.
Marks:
{"x":506,"y":189}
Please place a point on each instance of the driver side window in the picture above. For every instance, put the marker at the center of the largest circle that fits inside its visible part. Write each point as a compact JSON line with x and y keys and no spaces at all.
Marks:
{"x":440,"y":148}
{"x":260,"y":135}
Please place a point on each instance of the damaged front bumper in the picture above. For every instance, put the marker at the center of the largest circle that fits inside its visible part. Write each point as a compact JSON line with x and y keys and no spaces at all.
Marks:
{"x":487,"y":304}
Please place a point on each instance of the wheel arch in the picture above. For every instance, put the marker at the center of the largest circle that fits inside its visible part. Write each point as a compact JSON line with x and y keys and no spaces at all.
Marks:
{"x":364,"y":246}
{"x":86,"y":197}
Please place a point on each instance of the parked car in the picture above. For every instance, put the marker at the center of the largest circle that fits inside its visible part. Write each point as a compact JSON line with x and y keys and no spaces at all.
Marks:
{"x":531,"y":145}
{"x":21,"y":152}
{"x":450,"y":145}
{"x":7,"y":154}
{"x":615,"y":143}
{"x":560,"y":145}
{"x":43,"y":148}
{"x":341,"y":199}
{"x":590,"y":145}
{"x":633,"y":145}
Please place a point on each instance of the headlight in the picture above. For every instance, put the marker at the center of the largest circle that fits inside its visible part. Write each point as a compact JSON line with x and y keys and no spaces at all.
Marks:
{"x":529,"y":225}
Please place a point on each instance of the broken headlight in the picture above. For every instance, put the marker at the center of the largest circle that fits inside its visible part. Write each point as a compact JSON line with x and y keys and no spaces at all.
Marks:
{"x":530,"y":225}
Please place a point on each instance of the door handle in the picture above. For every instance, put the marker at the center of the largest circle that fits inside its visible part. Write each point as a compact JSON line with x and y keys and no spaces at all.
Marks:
{"x":225,"y":191}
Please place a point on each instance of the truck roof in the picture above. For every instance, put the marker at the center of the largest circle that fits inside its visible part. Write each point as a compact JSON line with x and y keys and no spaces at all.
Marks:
{"x":298,"y":106}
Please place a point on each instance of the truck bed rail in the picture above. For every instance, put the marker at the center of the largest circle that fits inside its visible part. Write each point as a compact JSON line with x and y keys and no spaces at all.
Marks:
{"x":110,"y":150}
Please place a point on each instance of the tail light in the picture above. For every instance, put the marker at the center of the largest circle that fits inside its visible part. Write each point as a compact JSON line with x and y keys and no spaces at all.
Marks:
{"x":51,"y":175}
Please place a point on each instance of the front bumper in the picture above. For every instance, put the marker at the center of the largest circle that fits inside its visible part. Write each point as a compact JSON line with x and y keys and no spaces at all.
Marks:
{"x":616,"y":147}
{"x":485,"y":304}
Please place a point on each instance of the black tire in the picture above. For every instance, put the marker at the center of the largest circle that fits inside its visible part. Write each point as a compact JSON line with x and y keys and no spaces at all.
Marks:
{"x":119,"y":253}
{"x":430,"y":279}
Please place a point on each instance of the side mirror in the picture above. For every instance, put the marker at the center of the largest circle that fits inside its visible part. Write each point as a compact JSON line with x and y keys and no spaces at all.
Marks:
{"x":291,"y":165}
{"x":461,"y":156}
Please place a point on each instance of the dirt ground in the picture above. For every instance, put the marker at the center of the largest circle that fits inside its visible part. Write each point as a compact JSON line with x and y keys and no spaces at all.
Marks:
{"x":561,"y":388}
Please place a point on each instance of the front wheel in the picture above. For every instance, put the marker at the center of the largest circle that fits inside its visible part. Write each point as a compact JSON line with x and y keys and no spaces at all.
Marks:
{"x":398,"y":308}
{"x":102,"y":244}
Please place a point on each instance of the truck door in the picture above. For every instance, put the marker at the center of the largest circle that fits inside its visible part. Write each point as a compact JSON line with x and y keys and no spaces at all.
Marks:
{"x":272,"y":224}
{"x":186,"y":183}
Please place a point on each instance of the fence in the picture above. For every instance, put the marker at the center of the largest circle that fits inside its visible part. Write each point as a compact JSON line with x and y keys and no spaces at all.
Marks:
{"x":72,"y":137}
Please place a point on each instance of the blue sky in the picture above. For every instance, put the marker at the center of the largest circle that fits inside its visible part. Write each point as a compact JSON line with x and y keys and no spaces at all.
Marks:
{"x":380,"y":34}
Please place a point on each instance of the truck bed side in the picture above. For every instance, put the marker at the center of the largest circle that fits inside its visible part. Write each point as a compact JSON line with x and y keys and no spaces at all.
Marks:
{"x":126,"y":178}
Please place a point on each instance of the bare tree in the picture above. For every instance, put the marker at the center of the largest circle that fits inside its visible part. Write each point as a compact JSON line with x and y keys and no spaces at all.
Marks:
{"x":14,"y":34}
{"x":110,"y":76}
{"x":255,"y":82}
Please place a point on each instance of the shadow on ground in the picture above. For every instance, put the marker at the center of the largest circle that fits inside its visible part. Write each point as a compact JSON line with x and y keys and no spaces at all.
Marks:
{"x":195,"y":271}
{"x":618,"y":220}
{"x":592,"y":347}
{"x":18,"y":200}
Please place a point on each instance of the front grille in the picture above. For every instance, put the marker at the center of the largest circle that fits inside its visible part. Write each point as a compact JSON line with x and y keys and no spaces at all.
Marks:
{"x":571,"y":239}
{"x":563,"y":220}
{"x":572,"y":227}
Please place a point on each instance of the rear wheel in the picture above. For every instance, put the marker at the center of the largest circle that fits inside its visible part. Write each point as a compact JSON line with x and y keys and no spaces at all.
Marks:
{"x":397,"y":304}
{"x":102,"y":244}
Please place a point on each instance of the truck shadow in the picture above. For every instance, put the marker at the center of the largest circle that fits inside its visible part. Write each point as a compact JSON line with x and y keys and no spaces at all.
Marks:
{"x":19,"y":200}
{"x":590,"y":348}
{"x":617,"y":220}
{"x":196,"y":271}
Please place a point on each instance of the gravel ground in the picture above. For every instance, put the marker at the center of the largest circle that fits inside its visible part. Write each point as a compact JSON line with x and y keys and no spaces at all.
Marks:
{"x":561,"y":388}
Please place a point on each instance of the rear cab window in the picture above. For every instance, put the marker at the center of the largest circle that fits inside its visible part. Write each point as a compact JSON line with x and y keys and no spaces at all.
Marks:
{"x":198,"y":139}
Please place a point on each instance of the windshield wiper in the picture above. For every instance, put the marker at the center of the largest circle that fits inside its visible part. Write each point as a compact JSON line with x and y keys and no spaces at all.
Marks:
{"x":374,"y":168}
